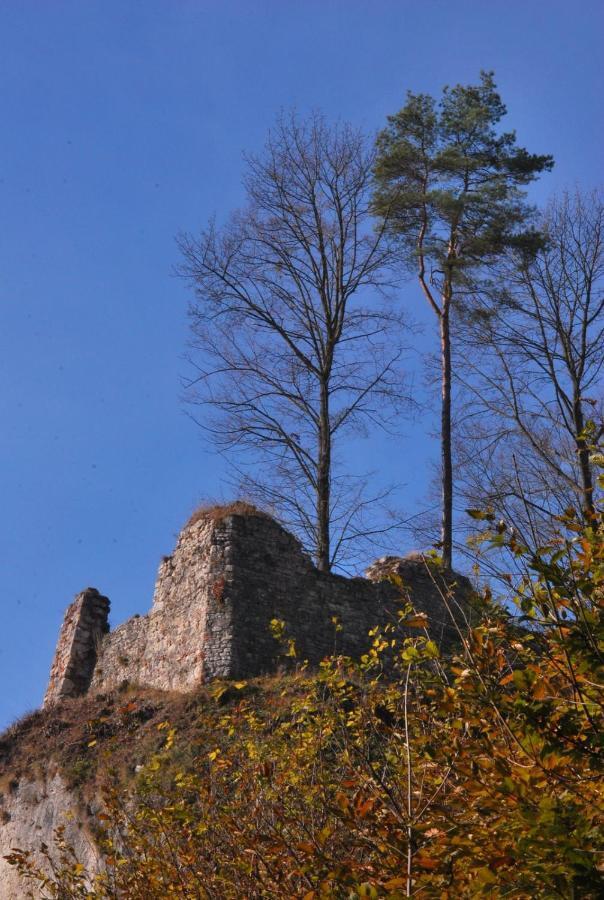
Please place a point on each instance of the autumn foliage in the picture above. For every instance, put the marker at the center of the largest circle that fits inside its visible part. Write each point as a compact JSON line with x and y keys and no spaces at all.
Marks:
{"x":397,"y":775}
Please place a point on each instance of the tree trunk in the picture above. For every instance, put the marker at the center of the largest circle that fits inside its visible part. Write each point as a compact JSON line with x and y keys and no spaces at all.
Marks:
{"x":446,"y":530}
{"x":587,"y":487}
{"x":323,"y":484}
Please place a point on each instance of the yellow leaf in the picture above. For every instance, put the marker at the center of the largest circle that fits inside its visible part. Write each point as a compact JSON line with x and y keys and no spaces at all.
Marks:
{"x":324,"y":834}
{"x":342,"y":801}
{"x":395,"y":883}
{"x":552,"y":761}
{"x":485,"y":876}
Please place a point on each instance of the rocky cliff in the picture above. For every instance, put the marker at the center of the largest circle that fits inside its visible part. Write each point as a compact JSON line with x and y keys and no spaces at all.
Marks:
{"x":31,"y":809}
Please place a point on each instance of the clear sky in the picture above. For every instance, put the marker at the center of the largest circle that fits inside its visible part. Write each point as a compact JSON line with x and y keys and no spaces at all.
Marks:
{"x":123,"y":122}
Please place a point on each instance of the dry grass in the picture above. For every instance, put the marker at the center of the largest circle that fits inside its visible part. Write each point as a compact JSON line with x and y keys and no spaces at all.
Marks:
{"x":218,"y":511}
{"x":61,"y":735}
{"x":78,"y":736}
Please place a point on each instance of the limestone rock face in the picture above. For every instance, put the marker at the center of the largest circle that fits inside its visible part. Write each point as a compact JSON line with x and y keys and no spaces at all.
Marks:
{"x":230,"y":574}
{"x":29,"y":815}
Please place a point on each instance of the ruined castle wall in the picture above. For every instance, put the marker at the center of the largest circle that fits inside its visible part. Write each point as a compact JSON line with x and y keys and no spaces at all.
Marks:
{"x":176,"y":653}
{"x":120,"y":655}
{"x":82,"y":631}
{"x":214,"y":600}
{"x":167,"y":648}
{"x":275,"y":580}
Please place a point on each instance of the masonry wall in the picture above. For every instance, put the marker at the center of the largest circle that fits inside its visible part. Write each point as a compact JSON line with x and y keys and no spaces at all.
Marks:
{"x":214,"y":599}
{"x":276,"y":580}
{"x":167,"y":648}
{"x":84,"y":626}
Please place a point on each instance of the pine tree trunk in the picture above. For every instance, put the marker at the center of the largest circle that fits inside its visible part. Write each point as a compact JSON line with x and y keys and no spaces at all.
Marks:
{"x":446,"y":531}
{"x":587,"y":500}
{"x":323,"y":484}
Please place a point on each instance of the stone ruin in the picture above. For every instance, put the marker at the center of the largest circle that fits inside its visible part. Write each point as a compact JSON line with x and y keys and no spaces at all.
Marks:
{"x":234,"y":570}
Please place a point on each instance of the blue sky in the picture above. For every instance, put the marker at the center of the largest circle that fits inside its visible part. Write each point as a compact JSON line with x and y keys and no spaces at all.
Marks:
{"x":123,"y":123}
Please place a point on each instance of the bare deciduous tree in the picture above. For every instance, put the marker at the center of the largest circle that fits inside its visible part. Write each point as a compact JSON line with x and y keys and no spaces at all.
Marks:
{"x":535,"y":379}
{"x":291,"y":346}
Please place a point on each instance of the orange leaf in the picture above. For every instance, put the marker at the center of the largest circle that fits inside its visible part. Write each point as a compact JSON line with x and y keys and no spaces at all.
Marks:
{"x":540,"y":690}
{"x":305,"y":847}
{"x":364,"y":808}
{"x":419,"y":620}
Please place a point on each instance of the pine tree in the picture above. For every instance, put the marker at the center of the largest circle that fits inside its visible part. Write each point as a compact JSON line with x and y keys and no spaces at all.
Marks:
{"x":449,"y":185}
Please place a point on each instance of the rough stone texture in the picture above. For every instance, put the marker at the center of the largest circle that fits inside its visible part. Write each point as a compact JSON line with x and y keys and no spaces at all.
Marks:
{"x":215,"y":597}
{"x":276,"y":580}
{"x":84,"y":626}
{"x":29,"y":815}
{"x":165,"y":648}
{"x":445,"y":597}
